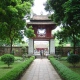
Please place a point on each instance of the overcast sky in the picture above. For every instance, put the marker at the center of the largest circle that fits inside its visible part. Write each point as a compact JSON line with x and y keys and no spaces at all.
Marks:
{"x":38,"y":7}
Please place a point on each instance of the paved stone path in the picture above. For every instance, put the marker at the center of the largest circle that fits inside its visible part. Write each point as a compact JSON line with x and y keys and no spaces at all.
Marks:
{"x":41,"y":69}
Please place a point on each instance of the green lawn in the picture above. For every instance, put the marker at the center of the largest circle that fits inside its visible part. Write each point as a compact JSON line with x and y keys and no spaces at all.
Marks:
{"x":4,"y":68}
{"x":76,"y":69}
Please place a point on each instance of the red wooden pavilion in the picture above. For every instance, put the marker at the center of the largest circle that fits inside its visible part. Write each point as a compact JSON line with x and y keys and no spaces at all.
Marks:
{"x":42,"y":26}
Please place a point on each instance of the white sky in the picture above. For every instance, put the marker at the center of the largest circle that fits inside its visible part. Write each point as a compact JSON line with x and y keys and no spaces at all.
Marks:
{"x":38,"y":7}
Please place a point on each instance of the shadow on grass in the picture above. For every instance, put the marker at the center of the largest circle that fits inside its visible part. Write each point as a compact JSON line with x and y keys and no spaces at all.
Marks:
{"x":74,"y":66}
{"x":5,"y":67}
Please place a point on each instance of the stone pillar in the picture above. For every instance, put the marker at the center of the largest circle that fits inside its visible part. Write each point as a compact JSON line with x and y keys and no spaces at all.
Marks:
{"x":30,"y":48}
{"x":52,"y":46}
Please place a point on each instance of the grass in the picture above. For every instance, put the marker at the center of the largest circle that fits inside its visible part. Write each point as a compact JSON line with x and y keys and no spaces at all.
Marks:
{"x":4,"y":68}
{"x":76,"y":69}
{"x":18,"y":58}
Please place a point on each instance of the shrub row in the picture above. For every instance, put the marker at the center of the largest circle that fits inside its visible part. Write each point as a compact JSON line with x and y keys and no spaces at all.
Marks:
{"x":18,"y":71}
{"x":65,"y":72}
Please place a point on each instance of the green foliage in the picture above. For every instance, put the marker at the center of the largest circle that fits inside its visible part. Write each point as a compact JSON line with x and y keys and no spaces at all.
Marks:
{"x":65,"y":72}
{"x":7,"y":59}
{"x":50,"y":56}
{"x":29,"y":32}
{"x":48,"y":6}
{"x":23,"y":49}
{"x":66,"y":12}
{"x":71,"y":11}
{"x":73,"y":59}
{"x":12,"y":13}
{"x":59,"y":50}
{"x":68,"y":34}
{"x":62,"y":36}
{"x":16,"y":73}
{"x":56,"y":6}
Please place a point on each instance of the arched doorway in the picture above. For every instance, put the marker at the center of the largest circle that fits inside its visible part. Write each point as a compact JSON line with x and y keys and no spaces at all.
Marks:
{"x":41,"y":45}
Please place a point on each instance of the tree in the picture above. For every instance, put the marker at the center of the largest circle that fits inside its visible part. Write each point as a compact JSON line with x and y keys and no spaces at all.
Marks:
{"x":48,"y":7}
{"x":12,"y":13}
{"x":56,"y":6}
{"x":72,"y":19}
{"x":67,"y":35}
{"x":66,"y":12}
{"x":7,"y":59}
{"x":73,"y":59}
{"x":29,"y":32}
{"x":71,"y":11}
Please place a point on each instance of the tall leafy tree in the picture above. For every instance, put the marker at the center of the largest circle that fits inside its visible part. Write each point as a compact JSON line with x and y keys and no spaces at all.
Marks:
{"x":56,"y":6}
{"x":72,"y":13}
{"x":65,"y":35}
{"x":12,"y":13}
{"x":72,"y":19}
{"x":66,"y":12}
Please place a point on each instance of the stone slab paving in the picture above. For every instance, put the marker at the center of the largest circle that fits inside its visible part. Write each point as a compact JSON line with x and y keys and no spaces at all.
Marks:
{"x":41,"y":69}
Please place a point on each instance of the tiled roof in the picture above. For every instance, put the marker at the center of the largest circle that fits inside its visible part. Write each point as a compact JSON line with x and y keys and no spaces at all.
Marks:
{"x":40,"y":17}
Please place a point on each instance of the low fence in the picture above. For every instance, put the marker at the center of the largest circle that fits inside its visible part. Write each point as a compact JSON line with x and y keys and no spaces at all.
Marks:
{"x":64,"y":50}
{"x":18,"y":51}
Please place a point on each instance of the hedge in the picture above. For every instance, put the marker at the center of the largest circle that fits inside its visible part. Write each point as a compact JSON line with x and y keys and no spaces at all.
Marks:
{"x":65,"y":72}
{"x":18,"y":71}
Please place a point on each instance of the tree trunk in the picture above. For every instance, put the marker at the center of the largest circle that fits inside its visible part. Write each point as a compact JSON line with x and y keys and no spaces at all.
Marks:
{"x":74,"y":48}
{"x":11,"y":45}
{"x":74,"y":43}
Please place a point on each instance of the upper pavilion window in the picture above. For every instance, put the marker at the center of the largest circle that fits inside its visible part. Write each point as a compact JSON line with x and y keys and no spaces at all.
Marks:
{"x":41,"y":32}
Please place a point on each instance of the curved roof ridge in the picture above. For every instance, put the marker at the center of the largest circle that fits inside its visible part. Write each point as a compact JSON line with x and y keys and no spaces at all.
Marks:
{"x":40,"y":17}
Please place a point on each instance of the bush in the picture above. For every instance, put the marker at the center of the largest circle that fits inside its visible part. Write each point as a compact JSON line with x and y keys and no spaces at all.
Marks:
{"x":73,"y":59}
{"x":65,"y":72}
{"x":16,"y":73}
{"x":50,"y":56}
{"x":7,"y":59}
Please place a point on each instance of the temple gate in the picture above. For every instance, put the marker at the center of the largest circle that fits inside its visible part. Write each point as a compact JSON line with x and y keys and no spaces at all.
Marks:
{"x":42,"y":27}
